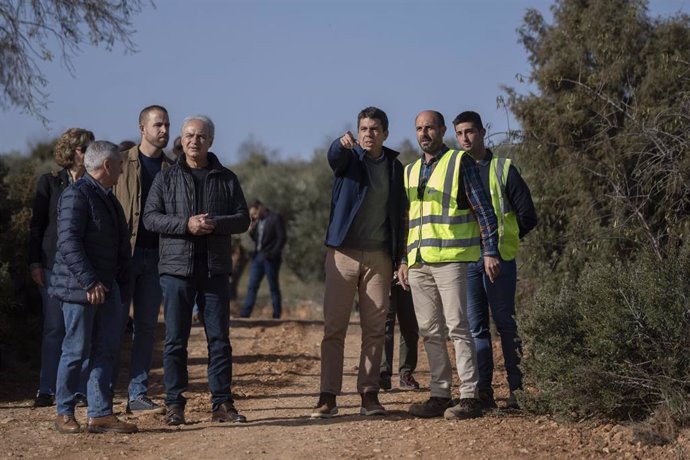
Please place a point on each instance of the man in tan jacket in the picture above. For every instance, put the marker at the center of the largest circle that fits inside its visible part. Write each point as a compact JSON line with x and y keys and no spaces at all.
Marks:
{"x":141,"y":165}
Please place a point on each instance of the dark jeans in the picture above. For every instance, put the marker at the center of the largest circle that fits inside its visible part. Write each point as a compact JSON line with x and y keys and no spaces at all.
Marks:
{"x":400,"y":305}
{"x":499,"y":297}
{"x":147,"y":303}
{"x":179,"y":295}
{"x":262,"y":266}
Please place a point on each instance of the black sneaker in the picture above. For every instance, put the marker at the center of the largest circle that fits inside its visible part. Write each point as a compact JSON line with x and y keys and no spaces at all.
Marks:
{"x":326,"y":406}
{"x":512,"y":401}
{"x":43,"y":400}
{"x":174,"y":415}
{"x":486,"y":399}
{"x":80,"y":400}
{"x":144,"y":405}
{"x":432,"y":407}
{"x":226,"y":412}
{"x":385,"y":382}
{"x":466,"y":408}
{"x":371,"y":405}
{"x":407,"y":382}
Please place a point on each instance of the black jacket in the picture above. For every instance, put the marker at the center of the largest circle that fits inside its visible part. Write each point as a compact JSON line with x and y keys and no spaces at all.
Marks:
{"x":273,"y":238}
{"x":93,"y":243}
{"x":172,"y":201}
{"x":43,"y":226}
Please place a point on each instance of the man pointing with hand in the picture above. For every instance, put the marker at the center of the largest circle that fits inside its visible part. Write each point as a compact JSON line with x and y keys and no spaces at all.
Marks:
{"x":362,"y":239}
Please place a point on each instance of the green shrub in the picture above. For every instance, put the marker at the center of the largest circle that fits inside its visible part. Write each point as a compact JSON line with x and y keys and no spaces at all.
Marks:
{"x":613,"y":343}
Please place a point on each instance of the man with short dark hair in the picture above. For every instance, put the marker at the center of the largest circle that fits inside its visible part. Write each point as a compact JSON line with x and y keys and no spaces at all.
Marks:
{"x":142,"y":163}
{"x":512,"y":203}
{"x":91,"y":278}
{"x":267,"y":229}
{"x":195,"y":206}
{"x":362,"y":240}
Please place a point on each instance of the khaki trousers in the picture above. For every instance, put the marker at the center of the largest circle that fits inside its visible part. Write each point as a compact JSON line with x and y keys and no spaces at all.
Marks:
{"x":439,"y":294}
{"x":369,"y":274}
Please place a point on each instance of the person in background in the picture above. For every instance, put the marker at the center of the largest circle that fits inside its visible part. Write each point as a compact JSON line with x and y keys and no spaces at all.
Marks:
{"x":512,"y":203}
{"x":142,"y":164}
{"x":125,"y":145}
{"x":267,"y":229}
{"x":239,"y":262}
{"x":91,"y":279}
{"x":69,"y":155}
{"x":401,"y":306}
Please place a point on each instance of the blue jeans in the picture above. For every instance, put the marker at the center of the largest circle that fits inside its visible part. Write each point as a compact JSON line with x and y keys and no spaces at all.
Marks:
{"x":262,"y":266}
{"x":179,"y":295}
{"x":51,"y":343}
{"x":146,"y":300}
{"x":498,"y":296}
{"x":91,"y":332}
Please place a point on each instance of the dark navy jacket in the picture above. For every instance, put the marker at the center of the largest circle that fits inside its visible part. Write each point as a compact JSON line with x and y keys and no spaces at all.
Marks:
{"x":92,"y":244}
{"x":350,"y":186}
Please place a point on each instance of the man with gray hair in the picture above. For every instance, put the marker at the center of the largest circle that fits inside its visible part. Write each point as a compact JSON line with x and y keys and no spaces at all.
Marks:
{"x":195,"y":206}
{"x":91,"y":280}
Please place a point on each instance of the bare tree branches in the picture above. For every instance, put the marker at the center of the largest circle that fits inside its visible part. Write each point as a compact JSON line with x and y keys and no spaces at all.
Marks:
{"x":34,"y":31}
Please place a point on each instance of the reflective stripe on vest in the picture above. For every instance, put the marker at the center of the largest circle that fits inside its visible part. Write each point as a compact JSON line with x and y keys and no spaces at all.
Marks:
{"x":438,"y":230}
{"x":508,"y":230}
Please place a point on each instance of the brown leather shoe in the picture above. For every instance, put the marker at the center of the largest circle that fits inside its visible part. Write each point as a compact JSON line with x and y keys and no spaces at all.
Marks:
{"x":110,"y":423}
{"x":226,"y":412}
{"x":67,"y":424}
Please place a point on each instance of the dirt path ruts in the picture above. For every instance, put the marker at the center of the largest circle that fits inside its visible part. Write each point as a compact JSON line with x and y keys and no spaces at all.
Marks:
{"x":276,"y":379}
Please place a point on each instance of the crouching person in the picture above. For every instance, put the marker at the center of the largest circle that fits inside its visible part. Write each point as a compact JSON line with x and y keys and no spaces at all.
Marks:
{"x":91,"y":280}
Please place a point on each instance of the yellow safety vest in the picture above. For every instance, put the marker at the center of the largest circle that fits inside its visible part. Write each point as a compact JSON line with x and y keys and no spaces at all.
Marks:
{"x":508,"y":230}
{"x":439,"y":231}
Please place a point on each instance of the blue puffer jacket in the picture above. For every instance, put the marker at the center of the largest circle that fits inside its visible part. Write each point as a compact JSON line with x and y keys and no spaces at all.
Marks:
{"x":350,"y":186}
{"x":93,"y":243}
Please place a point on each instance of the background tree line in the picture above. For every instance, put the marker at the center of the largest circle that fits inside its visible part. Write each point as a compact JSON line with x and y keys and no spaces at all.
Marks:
{"x":604,"y":278}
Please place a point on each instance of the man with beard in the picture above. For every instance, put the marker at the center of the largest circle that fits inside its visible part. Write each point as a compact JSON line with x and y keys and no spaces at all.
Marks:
{"x":142,"y":163}
{"x":449,"y":220}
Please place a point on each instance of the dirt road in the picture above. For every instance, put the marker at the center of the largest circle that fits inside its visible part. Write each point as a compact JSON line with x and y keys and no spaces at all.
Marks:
{"x":276,"y":379}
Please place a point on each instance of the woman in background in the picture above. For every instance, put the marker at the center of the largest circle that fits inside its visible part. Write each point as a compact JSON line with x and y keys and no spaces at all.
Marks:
{"x":69,"y":155}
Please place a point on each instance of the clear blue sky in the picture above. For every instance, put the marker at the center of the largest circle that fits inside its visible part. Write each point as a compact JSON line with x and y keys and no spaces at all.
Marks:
{"x":293,"y":74}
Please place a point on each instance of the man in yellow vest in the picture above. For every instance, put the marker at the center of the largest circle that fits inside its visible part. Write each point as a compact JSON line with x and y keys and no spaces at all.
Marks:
{"x":450,"y":222}
{"x":512,"y":203}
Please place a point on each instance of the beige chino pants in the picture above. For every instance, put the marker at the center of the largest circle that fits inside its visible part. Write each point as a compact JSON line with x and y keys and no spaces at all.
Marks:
{"x":439,"y":294}
{"x":368,"y":273}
